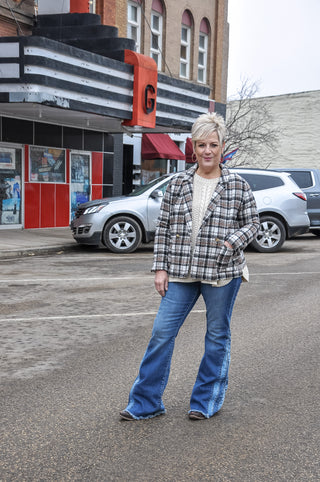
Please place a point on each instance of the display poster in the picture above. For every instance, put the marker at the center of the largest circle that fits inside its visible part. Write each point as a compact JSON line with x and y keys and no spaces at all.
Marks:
{"x":47,"y":164}
{"x":10,"y":200}
{"x":7,"y":158}
{"x":80,"y":180}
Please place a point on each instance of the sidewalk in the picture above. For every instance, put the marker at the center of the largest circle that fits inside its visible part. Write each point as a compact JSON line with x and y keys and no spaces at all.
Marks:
{"x":28,"y":242}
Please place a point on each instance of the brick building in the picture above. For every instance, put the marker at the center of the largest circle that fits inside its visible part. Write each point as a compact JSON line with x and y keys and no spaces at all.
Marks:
{"x":69,"y":128}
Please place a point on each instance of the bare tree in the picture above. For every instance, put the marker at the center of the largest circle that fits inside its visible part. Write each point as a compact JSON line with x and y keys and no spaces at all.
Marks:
{"x":251,"y":128}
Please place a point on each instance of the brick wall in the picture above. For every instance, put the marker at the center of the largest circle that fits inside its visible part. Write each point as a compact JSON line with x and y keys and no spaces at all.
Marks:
{"x":107,"y":11}
{"x":121,"y":17}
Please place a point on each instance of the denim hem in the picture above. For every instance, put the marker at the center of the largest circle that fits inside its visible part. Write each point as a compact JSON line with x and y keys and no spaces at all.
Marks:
{"x":145,"y":417}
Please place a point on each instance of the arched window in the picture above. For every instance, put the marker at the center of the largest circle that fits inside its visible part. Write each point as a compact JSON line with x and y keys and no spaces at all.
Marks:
{"x":185,"y":47}
{"x":203,"y":51}
{"x":134,"y":22}
{"x":157,"y":32}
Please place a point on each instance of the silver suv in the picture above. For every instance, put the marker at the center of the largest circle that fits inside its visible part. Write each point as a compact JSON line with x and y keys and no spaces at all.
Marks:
{"x":122,"y":223}
{"x":281,"y":205}
{"x":309,"y":181}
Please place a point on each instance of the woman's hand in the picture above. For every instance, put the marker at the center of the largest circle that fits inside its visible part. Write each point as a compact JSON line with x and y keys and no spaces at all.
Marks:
{"x":161,"y":281}
{"x":228,"y":245}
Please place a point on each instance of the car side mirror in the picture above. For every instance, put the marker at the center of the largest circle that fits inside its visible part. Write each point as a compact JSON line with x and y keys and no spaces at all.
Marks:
{"x":157,"y":193}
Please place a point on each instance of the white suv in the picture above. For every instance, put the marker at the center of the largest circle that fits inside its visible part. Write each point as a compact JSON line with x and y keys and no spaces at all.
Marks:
{"x":122,"y":223}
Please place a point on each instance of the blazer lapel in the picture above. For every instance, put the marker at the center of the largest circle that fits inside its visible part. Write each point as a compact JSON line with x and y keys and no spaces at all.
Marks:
{"x":186,"y":195}
{"x":214,"y":200}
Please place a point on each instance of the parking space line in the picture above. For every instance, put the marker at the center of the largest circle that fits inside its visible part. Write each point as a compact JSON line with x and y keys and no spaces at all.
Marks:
{"x":288,"y":273}
{"x":134,"y":277}
{"x":85,"y":279}
{"x":86,"y":316}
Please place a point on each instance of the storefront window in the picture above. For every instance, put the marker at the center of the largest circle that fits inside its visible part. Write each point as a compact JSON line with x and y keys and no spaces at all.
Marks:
{"x":152,"y":169}
{"x":47,"y":164}
{"x":10,"y":186}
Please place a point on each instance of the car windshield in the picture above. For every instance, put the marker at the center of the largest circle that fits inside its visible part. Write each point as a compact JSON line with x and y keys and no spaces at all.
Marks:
{"x":145,"y":187}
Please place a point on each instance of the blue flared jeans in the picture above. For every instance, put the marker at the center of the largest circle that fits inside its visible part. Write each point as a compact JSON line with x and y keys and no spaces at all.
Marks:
{"x":145,"y":399}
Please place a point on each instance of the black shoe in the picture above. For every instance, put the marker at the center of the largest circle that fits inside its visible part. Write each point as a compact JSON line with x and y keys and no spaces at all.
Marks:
{"x":194,"y":415}
{"x":124,"y":415}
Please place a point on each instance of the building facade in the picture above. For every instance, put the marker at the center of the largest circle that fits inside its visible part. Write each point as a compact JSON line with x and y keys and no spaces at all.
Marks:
{"x":296,"y":118}
{"x":69,"y":72}
{"x":188,"y":40}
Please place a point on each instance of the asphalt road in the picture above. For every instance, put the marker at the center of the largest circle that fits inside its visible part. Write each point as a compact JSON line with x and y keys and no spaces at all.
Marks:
{"x":73,"y":329}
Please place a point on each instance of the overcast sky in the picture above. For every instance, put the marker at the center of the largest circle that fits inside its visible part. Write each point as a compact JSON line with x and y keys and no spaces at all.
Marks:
{"x":275,"y":43}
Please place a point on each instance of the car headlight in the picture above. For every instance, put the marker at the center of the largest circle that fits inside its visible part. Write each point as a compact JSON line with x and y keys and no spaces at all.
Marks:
{"x":95,"y":209}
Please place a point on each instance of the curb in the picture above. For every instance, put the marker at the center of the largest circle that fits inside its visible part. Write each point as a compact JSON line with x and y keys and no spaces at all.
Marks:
{"x":41,"y":250}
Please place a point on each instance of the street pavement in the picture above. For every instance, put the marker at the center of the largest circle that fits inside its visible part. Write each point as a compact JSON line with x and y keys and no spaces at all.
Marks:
{"x":73,"y":329}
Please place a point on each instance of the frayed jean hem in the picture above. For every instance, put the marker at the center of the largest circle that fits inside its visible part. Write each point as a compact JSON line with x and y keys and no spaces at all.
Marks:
{"x":146,"y":417}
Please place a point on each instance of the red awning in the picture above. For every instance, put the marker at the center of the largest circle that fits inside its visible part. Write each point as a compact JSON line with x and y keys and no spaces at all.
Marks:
{"x":159,"y":146}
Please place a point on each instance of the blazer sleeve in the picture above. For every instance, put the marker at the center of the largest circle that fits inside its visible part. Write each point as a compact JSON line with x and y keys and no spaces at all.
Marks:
{"x":162,"y":235}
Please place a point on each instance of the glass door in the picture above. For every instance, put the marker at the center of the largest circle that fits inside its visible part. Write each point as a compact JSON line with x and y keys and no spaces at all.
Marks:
{"x":10,"y":186}
{"x":80,"y":179}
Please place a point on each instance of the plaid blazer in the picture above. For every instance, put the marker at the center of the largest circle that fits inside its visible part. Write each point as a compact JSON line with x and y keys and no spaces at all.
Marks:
{"x":230,"y":216}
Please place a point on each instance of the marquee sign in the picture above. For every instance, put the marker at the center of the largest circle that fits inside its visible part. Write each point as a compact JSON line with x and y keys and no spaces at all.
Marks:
{"x":144,"y":89}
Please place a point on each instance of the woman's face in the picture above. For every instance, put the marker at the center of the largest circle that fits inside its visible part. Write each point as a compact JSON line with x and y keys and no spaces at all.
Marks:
{"x":208,"y":152}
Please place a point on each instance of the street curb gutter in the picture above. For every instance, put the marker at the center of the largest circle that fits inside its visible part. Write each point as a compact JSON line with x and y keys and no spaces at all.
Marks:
{"x":41,"y":250}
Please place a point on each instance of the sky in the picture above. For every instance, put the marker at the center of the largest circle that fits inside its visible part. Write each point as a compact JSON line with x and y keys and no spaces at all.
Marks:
{"x":276,"y":44}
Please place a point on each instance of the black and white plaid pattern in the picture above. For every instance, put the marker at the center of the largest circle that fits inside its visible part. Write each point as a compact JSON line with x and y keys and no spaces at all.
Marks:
{"x":231,"y":216}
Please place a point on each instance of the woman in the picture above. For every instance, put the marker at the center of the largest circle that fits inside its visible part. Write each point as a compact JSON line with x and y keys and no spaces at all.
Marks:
{"x":208,"y":217}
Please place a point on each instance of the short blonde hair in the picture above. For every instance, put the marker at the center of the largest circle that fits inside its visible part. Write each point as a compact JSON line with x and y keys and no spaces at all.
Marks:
{"x":206,"y":124}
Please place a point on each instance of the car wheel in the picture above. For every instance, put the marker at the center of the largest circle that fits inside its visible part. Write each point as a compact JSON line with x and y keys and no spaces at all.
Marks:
{"x":122,"y":235}
{"x":315,"y":231}
{"x":271,"y":236}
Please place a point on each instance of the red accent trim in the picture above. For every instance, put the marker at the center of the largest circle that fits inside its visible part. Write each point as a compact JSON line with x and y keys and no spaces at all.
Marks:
{"x":79,"y":6}
{"x":97,"y":168}
{"x":96,"y":192}
{"x":62,"y":205}
{"x":47,"y":205}
{"x":32,"y":205}
{"x":97,"y":175}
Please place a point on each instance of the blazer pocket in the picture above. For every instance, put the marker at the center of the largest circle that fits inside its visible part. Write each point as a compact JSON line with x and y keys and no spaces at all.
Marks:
{"x":224,"y":257}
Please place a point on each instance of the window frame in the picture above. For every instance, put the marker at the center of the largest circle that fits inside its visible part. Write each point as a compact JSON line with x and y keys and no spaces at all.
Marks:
{"x":134,"y":23}
{"x":159,"y":34}
{"x":203,"y":68}
{"x":187,"y":45}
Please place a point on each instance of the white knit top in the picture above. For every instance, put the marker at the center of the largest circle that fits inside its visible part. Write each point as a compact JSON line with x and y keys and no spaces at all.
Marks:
{"x":202,"y":193}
